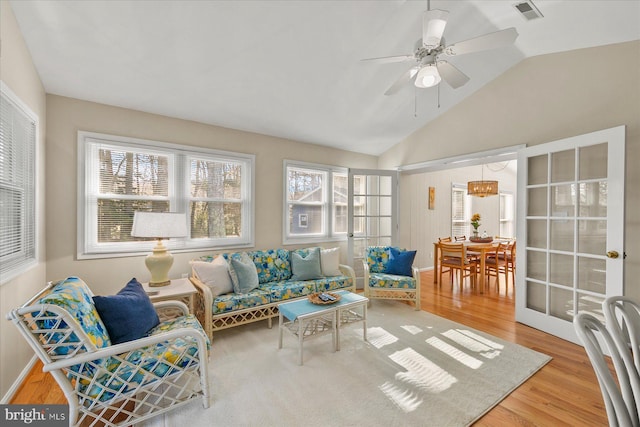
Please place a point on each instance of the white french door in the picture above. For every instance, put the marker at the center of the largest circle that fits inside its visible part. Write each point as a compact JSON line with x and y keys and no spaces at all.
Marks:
{"x":372,"y":213}
{"x":570,"y":241}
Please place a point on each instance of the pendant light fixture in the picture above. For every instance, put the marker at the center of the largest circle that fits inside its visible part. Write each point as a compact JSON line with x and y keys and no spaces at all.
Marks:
{"x":482,"y":188}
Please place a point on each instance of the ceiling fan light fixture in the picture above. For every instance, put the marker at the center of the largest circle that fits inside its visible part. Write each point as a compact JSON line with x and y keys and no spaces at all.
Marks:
{"x":427,"y":77}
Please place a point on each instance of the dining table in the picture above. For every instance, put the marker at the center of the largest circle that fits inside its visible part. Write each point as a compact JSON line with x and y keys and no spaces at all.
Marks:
{"x":482,"y":248}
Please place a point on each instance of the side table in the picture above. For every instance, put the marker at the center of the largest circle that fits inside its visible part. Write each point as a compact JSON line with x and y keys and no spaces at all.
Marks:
{"x":179,"y":289}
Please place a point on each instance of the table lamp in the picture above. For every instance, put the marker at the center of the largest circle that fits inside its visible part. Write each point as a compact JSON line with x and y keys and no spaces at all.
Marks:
{"x":159,"y":225}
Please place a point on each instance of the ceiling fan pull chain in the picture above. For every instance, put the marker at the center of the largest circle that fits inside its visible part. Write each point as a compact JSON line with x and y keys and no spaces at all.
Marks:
{"x":438,"y":96}
{"x":415,"y":102}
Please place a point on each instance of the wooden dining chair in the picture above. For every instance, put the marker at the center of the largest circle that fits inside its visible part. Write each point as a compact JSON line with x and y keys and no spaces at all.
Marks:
{"x":439,"y":266}
{"x":454,"y":257}
{"x":496,"y":264}
{"x":460,"y":238}
{"x":501,"y":261}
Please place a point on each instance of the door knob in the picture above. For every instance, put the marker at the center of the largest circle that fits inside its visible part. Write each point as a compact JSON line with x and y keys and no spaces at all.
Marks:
{"x":613,"y":254}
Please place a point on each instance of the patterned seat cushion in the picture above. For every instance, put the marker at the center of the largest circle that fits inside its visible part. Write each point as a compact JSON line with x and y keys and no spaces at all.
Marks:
{"x":382,"y":280}
{"x":232,"y":302}
{"x":288,"y":289}
{"x":332,"y":283}
{"x":143,"y":366}
{"x":74,"y":295}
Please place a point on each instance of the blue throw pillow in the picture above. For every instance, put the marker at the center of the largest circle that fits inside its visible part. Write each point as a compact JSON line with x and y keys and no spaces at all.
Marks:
{"x":244,"y":275}
{"x":400,"y":262}
{"x":306,"y":268}
{"x":129,"y":315}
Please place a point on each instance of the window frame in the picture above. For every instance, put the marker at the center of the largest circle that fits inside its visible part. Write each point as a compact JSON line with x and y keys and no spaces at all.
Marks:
{"x":179,"y":195}
{"x":328,"y":204}
{"x":465,"y":222}
{"x":28,"y":255}
{"x":508,"y":221}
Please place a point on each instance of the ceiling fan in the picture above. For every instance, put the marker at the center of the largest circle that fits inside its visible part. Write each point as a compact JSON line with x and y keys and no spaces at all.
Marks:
{"x":430,"y":68}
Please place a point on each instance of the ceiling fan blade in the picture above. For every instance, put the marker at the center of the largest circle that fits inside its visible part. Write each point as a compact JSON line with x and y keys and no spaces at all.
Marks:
{"x":402,"y":81}
{"x":454,"y":77}
{"x":488,"y":41}
{"x":390,"y":59}
{"x":433,"y":24}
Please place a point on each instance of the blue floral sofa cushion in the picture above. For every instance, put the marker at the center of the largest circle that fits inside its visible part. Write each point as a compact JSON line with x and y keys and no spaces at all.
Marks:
{"x":377,"y":257}
{"x":232,"y":302}
{"x":384,"y":280}
{"x":74,"y":295}
{"x":272,"y":265}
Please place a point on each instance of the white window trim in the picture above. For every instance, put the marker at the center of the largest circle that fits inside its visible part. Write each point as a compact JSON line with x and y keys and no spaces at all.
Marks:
{"x":31,"y":262}
{"x":328,"y":235}
{"x":179,"y":199}
{"x":467,"y":207}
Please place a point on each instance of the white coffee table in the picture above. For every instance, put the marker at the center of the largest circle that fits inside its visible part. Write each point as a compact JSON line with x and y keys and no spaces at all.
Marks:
{"x":304,"y":319}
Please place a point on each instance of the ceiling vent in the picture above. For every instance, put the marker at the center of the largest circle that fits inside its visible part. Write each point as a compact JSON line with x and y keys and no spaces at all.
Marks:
{"x":528,"y":10}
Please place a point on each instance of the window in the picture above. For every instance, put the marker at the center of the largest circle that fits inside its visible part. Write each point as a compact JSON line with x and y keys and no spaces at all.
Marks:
{"x":460,"y":211}
{"x":18,"y":136}
{"x":506,"y":215}
{"x":119,"y":176}
{"x":315,"y":202}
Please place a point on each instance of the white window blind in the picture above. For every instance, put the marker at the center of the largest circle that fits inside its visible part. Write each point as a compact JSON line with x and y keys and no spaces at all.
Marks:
{"x":460,"y":211}
{"x":315,"y":202}
{"x":122,"y":175}
{"x":18,"y":131}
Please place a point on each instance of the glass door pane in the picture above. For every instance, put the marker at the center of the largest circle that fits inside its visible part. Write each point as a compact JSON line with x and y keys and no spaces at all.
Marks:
{"x":567,"y":187}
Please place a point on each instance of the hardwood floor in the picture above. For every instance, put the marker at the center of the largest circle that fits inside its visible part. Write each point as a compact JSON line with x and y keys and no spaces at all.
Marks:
{"x":564,"y":392}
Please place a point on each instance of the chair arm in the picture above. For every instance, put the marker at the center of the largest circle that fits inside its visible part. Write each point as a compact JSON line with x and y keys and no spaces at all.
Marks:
{"x":172,"y":306}
{"x":203,"y":304}
{"x":126,"y":347}
{"x":365,"y":276}
{"x":347,"y":270}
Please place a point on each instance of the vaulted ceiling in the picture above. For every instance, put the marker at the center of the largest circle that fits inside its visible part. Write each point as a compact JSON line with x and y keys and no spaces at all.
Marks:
{"x":291,"y":69}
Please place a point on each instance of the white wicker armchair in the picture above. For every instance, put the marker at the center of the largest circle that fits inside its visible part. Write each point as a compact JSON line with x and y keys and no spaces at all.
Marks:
{"x":120,"y":384}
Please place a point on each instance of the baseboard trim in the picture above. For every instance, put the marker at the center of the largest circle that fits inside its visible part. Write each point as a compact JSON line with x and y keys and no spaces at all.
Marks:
{"x":18,"y":382}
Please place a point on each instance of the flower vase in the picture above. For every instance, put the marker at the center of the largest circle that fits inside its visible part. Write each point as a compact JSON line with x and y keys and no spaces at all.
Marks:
{"x":475,"y":234}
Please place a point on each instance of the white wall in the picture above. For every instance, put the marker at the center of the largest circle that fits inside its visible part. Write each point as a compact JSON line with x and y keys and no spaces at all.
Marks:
{"x":539,"y":100}
{"x":18,"y":72}
{"x":420,"y":226}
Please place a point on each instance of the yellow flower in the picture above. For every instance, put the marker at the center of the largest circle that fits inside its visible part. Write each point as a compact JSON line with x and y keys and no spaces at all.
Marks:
{"x":475,"y":220}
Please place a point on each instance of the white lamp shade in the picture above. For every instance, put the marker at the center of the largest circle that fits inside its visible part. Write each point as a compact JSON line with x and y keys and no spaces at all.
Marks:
{"x":427,"y":77}
{"x":159,"y":225}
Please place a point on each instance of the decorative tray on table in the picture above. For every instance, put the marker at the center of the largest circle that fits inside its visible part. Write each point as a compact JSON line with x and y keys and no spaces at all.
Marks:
{"x":481,"y":239}
{"x":323,"y":298}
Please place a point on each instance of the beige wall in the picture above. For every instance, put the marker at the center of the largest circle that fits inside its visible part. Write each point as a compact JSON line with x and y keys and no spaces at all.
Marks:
{"x":539,"y":100}
{"x":67,"y":116}
{"x":18,"y":72}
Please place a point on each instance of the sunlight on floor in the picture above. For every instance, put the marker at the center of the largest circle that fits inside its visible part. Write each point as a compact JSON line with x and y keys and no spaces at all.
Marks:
{"x":474,"y":342}
{"x":403,"y":399}
{"x":421,"y":372}
{"x":455,"y":353}
{"x":378,"y":337}
{"x":412,"y":329}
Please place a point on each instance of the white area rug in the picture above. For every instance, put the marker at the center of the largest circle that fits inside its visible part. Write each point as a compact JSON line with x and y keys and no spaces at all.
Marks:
{"x":417,"y":369}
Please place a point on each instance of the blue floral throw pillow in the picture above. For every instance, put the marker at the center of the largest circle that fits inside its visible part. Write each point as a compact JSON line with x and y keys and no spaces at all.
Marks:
{"x":400,"y":262}
{"x":129,"y":315}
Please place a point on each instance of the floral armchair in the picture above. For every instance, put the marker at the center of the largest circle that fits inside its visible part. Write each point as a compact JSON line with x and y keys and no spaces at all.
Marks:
{"x":114,"y":384}
{"x":389,"y":274}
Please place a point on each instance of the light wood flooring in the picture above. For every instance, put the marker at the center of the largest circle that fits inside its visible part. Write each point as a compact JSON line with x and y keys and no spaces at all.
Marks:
{"x":564,"y":392}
